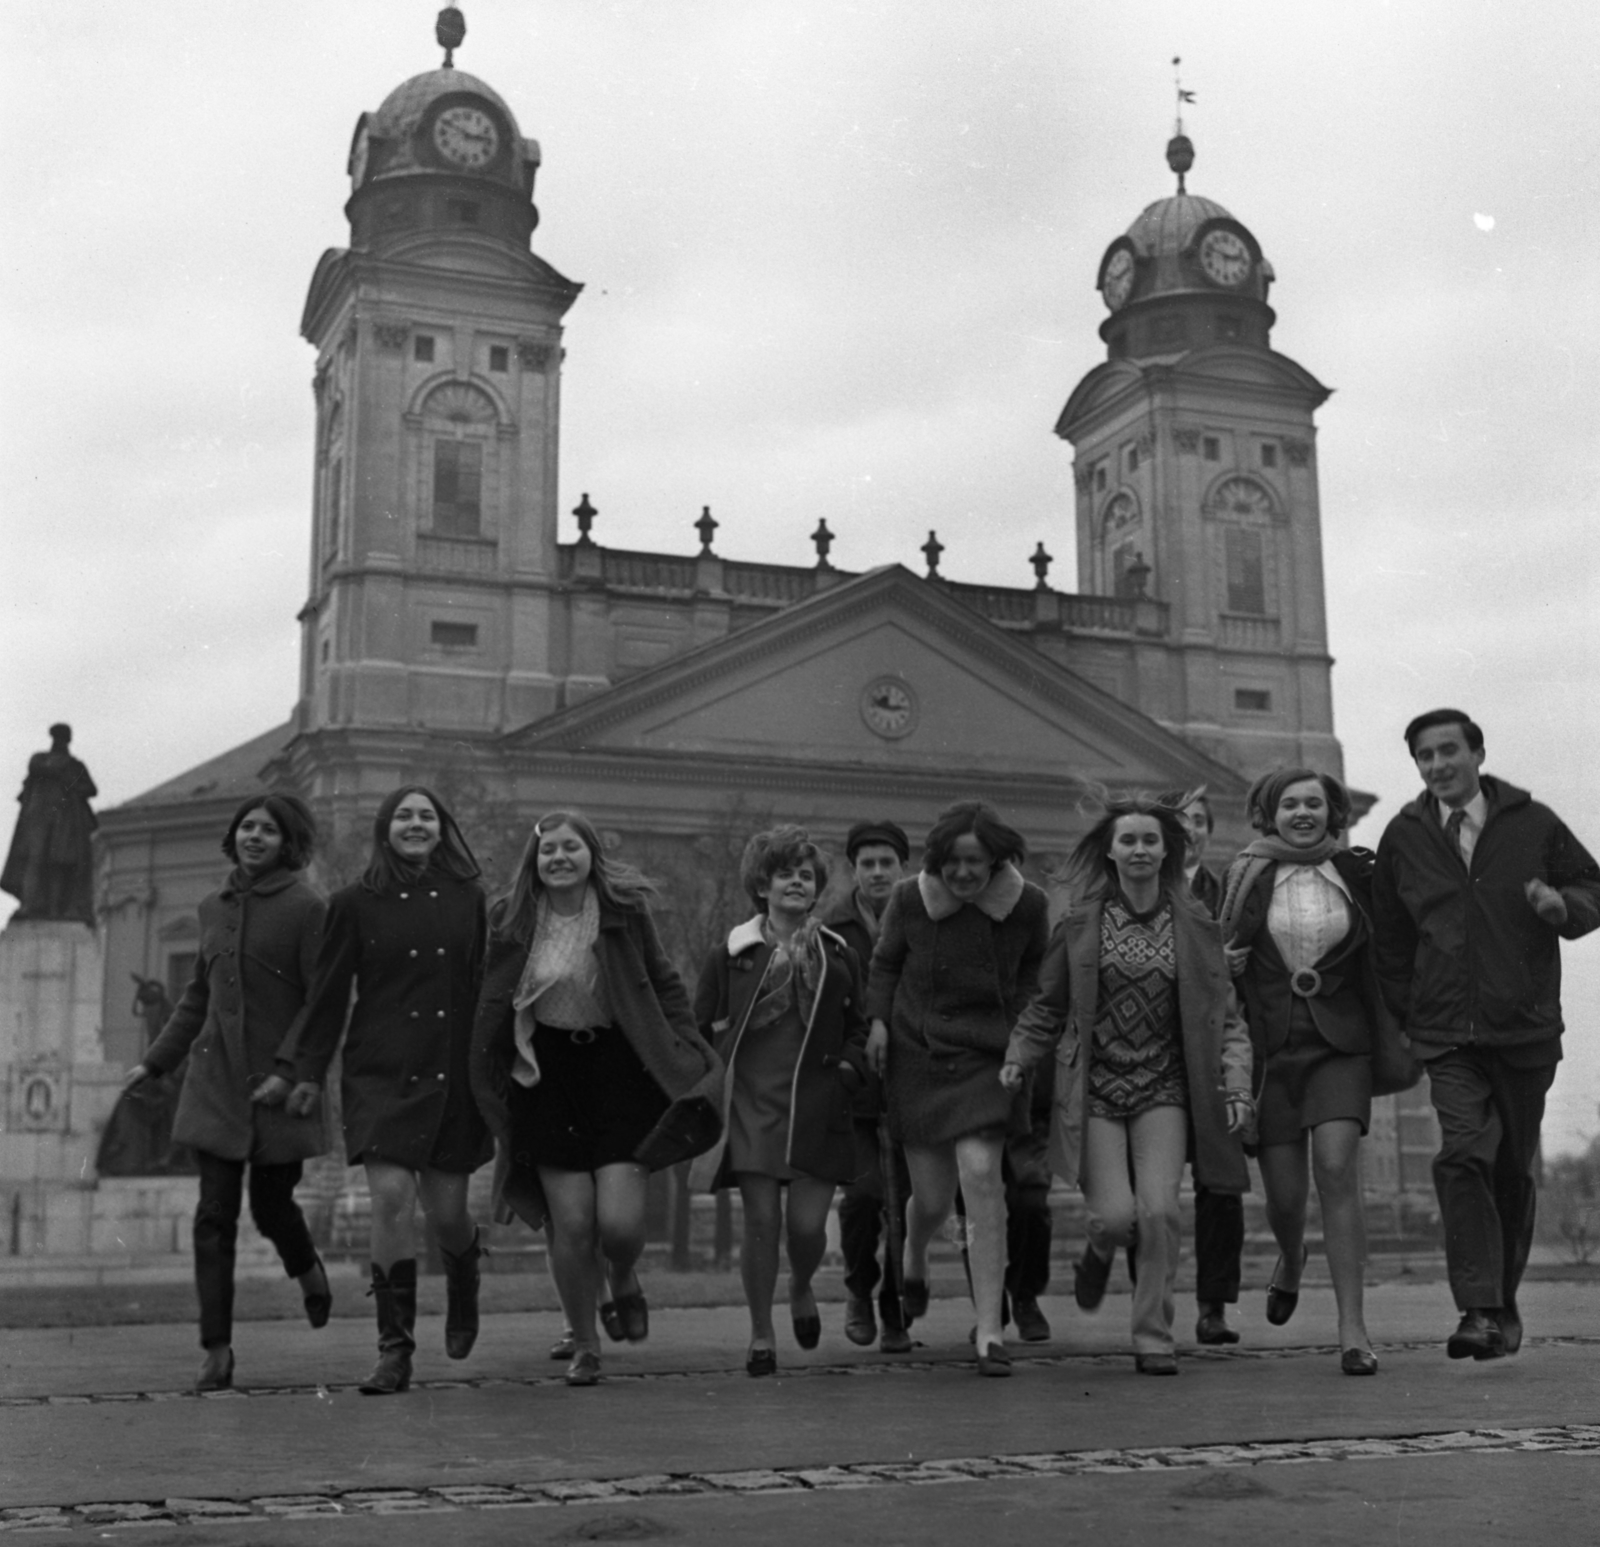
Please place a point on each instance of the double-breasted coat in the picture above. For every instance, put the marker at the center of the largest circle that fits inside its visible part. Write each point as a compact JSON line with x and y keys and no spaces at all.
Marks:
{"x":414,"y":956}
{"x":239,"y":1016}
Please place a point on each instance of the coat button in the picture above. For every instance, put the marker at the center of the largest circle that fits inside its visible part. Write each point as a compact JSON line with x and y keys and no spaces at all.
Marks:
{"x":433,"y":894}
{"x":415,"y":1014}
{"x":404,"y":896}
{"x":439,"y":1076}
{"x":441,"y":1015}
{"x":413,"y":953}
{"x":440,"y":951}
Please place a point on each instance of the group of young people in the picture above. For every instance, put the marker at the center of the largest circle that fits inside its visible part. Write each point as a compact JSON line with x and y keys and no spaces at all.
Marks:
{"x":928,"y":1043}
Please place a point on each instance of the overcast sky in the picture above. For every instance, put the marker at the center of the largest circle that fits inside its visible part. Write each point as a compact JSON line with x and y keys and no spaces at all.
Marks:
{"x":839,"y":262}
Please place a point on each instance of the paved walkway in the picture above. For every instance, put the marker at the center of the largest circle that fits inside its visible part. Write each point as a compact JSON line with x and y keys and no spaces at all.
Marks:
{"x":1264,"y":1443}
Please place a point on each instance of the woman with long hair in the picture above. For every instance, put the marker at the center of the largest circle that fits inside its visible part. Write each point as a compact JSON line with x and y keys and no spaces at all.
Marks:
{"x":1155,"y":1057}
{"x":1301,"y":906}
{"x":783,"y":1001}
{"x":587,"y":1062}
{"x":957,"y":958}
{"x":408,"y":938}
{"x":259,"y":938}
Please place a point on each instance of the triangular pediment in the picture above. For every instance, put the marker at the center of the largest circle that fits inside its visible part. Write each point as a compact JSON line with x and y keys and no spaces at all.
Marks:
{"x":885,"y":672}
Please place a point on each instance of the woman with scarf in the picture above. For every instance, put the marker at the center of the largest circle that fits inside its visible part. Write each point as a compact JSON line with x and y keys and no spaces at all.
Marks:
{"x":408,"y":937}
{"x":957,"y":959}
{"x":1156,"y":1062}
{"x":1297,"y":914}
{"x":782,"y":1000}
{"x":588,"y":1066}
{"x":259,"y":937}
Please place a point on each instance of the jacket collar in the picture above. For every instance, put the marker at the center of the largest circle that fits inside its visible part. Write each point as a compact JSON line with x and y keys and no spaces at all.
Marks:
{"x":746,"y":936}
{"x":1500,"y":796}
{"x":996,"y":900}
{"x":274,"y":880}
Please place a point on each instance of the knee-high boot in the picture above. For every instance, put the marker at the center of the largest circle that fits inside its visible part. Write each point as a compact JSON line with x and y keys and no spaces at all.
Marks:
{"x":461,"y":1275}
{"x":395,"y":1295}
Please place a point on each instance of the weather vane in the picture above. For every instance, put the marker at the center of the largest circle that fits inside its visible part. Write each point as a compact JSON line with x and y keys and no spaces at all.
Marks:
{"x":1180,"y":150}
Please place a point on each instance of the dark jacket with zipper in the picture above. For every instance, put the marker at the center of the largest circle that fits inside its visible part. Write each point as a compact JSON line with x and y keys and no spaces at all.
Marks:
{"x":1462,"y":957}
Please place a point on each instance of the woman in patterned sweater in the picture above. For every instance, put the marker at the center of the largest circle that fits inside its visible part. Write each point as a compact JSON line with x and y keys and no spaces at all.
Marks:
{"x":1156,"y":1058}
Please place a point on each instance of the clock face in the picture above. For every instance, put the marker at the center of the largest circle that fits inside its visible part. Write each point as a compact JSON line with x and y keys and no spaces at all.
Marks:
{"x":1116,"y":283}
{"x":889,"y":708}
{"x":1225,"y":258}
{"x":466,"y":136}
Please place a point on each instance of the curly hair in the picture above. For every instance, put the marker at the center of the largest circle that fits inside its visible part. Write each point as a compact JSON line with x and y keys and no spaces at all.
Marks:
{"x":515,"y":911}
{"x":295,"y":822}
{"x":785,"y":847}
{"x":1001,"y":843}
{"x":1090,"y":865}
{"x":1261,"y":804}
{"x":386,"y":870}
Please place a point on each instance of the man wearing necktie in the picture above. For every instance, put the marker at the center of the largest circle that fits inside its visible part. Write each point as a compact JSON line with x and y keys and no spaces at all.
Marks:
{"x":1476,"y":884}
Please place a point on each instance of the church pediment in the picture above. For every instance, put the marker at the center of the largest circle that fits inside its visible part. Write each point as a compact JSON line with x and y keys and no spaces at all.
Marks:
{"x":888,"y":673}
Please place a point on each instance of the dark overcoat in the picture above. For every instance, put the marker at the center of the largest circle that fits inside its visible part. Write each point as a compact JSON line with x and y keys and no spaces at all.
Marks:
{"x":832,"y":1057}
{"x":650,"y":1006}
{"x":239,"y":1016}
{"x":845,"y":920}
{"x":414,"y":956}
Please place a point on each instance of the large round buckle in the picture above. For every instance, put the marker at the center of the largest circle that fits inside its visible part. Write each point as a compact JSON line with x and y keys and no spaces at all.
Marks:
{"x":1306,"y":982}
{"x":584,"y":1035}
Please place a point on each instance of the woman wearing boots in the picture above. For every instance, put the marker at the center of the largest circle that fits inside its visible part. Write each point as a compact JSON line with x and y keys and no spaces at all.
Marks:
{"x":259,"y":937}
{"x":409,"y":938}
{"x":1155,"y":1054}
{"x":783,"y":1001}
{"x":588,"y":1066}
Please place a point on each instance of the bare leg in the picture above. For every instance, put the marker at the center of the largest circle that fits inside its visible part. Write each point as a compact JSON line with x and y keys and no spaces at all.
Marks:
{"x":758,"y":1257}
{"x":619,"y":1199}
{"x":806,"y":1227}
{"x":1336,"y":1164}
{"x":979,"y":1161}
{"x":933,"y":1195}
{"x":394,"y":1202}
{"x":570,"y":1196}
{"x":444,"y":1201}
{"x":1286,"y":1179}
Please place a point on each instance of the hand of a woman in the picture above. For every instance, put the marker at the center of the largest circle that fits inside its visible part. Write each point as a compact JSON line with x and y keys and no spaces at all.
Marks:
{"x":1240,"y":1110}
{"x":303,"y":1099}
{"x":878,"y":1049}
{"x":1238,"y":958}
{"x":271,"y":1091}
{"x":1011,"y":1076}
{"x":137,"y":1075}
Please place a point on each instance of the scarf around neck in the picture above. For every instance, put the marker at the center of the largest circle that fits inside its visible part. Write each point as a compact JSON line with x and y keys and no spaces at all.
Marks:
{"x":1252,"y":861}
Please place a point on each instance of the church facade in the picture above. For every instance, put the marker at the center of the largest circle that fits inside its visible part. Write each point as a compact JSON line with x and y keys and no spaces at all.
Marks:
{"x":445,"y":624}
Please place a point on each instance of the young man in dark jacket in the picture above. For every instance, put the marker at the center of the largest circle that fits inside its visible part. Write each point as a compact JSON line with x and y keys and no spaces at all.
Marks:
{"x":1476,"y":884}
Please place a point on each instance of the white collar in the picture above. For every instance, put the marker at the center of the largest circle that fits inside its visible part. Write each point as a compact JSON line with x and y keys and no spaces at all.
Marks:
{"x":1476,"y":809}
{"x":742,"y":937}
{"x":997,"y":899}
{"x":1325,"y":869}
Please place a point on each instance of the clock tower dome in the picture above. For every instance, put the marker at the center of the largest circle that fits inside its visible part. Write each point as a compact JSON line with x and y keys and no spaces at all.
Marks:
{"x":1196,"y":482}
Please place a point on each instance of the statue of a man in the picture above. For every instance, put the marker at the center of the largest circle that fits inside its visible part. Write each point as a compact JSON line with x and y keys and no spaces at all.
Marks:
{"x":49,"y":869}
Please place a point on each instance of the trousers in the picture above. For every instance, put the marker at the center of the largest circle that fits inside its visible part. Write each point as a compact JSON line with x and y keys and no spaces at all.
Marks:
{"x":1218,"y":1245}
{"x":861,"y":1211}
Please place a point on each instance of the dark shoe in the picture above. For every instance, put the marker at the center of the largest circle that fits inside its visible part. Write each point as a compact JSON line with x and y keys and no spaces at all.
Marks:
{"x":860,"y":1324}
{"x":808,"y":1331}
{"x":1510,"y":1320}
{"x":895,"y":1340}
{"x":1478,"y":1337}
{"x":1358,"y":1361}
{"x":318,"y":1297}
{"x":1031,"y":1324}
{"x":584,"y":1369}
{"x":391,"y":1374}
{"x":994,"y":1360}
{"x":914,"y":1299}
{"x":1212,"y":1327}
{"x":394,"y":1297}
{"x":564,"y":1346}
{"x":611,"y":1320}
{"x":1155,"y":1364}
{"x":1281,"y":1303}
{"x":461,"y":1280}
{"x":216,"y":1374}
{"x":762,"y":1361}
{"x":633,"y":1311}
{"x":1089,"y":1279}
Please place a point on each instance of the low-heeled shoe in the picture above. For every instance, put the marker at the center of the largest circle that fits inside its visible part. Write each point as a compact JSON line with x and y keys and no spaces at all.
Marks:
{"x":1032,"y":1327}
{"x":633,"y":1312}
{"x":611,"y":1320}
{"x":318,"y":1297}
{"x":808,"y":1330}
{"x":216,"y":1374}
{"x":584,"y":1369}
{"x":1155,"y":1364}
{"x":1213,"y":1328}
{"x":914,"y":1299}
{"x":860,"y":1322}
{"x":994,"y":1360}
{"x":1090,"y":1276}
{"x":1358,"y":1361}
{"x":564,"y":1346}
{"x":1281,"y":1303}
{"x":762,"y":1361}
{"x":1478,"y":1336}
{"x":895,"y":1340}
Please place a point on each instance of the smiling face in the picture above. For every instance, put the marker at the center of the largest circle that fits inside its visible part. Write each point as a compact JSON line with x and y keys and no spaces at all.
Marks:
{"x":1137,"y":848}
{"x":414,"y":829}
{"x":969,"y":868}
{"x":563,"y":859}
{"x":877,"y":868}
{"x":1449,"y":767}
{"x":792,"y":890}
{"x":1302,"y":814}
{"x":258,"y":841}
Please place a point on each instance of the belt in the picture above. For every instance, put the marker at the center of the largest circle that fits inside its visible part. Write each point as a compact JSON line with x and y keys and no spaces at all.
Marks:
{"x":1306,"y":982}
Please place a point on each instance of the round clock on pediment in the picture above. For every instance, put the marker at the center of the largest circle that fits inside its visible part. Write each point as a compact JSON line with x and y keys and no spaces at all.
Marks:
{"x":889,"y":707}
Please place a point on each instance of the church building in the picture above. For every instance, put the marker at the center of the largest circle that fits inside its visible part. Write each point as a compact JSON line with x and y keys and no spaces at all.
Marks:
{"x":444,"y":617}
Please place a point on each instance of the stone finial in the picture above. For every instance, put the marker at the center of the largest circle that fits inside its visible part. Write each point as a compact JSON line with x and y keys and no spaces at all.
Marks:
{"x":823,"y":538}
{"x":706,"y":526}
{"x":1137,"y":575}
{"x":449,"y":30}
{"x":1041,"y":562}
{"x":931,"y":551}
{"x":585,"y":512}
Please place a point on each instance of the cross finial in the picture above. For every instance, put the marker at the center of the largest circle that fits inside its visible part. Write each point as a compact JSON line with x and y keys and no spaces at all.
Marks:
{"x":585,"y":512}
{"x":1041,"y":562}
{"x":823,"y":538}
{"x":931,"y":551}
{"x":449,"y":30}
{"x":706,"y":526}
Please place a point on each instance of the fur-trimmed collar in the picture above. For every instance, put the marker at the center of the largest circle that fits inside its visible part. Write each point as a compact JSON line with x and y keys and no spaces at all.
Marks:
{"x":997,"y":899}
{"x":751,"y":933}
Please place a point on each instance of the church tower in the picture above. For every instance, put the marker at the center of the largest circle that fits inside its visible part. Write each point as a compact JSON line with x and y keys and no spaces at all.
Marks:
{"x":438,"y":338}
{"x":1196,"y":482}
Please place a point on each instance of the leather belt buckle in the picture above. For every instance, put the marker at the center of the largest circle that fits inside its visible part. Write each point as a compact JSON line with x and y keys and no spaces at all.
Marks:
{"x":583,"y":1036}
{"x":1306,"y":982}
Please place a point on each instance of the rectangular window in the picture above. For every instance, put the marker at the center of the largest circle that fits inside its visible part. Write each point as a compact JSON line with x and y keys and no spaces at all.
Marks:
{"x":499,"y":357}
{"x":1247,"y":584}
{"x":457,"y":482}
{"x":455,"y":636}
{"x":1130,"y":458}
{"x":1269,"y":456}
{"x":335,"y":491}
{"x":422,"y":347}
{"x":1212,"y":448}
{"x":1100,"y":479}
{"x":1252,"y":700}
{"x":324,"y":652}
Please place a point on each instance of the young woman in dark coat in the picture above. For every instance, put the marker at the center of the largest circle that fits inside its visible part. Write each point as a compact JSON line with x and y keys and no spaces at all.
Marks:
{"x":957,"y":958}
{"x":259,"y":937}
{"x":409,"y":938}
{"x":783,"y":1003}
{"x":587,"y":1063}
{"x":1301,"y":907}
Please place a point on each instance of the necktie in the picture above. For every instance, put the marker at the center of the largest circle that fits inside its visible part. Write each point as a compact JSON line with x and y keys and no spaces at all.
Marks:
{"x":1452,"y":828}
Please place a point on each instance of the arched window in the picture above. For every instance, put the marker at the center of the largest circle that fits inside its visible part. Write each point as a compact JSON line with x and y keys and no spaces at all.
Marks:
{"x":1246,"y":547}
{"x":458,"y":435}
